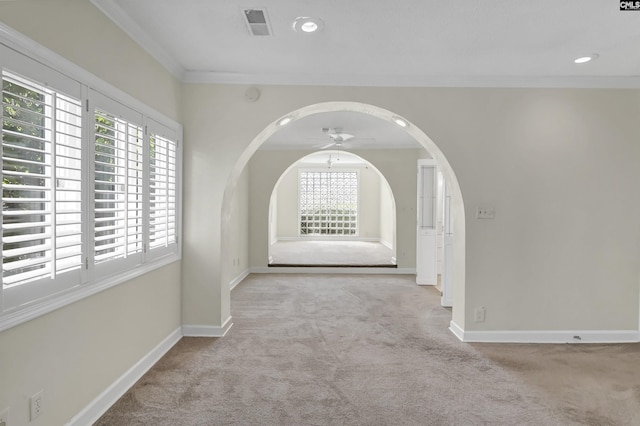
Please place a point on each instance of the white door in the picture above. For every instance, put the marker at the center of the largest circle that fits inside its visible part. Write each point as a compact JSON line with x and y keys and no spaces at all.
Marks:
{"x":427,"y":243}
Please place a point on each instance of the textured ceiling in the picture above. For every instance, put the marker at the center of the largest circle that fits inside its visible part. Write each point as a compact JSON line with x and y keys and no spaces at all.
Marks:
{"x":408,"y":42}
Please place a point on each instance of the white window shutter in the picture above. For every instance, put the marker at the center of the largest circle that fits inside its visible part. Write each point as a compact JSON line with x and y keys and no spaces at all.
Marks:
{"x":118,"y":186}
{"x":42,"y":241}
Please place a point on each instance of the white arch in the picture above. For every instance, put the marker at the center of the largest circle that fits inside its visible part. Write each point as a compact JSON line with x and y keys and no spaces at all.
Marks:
{"x":369,"y":163}
{"x":459,"y":273}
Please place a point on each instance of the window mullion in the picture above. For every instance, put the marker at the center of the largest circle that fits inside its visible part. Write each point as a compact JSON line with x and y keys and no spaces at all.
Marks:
{"x":85,"y":187}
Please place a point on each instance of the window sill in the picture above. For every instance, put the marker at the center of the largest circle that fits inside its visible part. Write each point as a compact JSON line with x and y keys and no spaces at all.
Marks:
{"x":50,"y":304}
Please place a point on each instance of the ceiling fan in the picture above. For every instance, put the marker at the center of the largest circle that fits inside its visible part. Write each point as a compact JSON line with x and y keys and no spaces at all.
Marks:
{"x":339,"y":139}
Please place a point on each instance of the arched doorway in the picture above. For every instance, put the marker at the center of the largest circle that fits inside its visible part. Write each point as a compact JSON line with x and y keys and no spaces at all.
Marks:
{"x":456,"y":205}
{"x":308,"y":224}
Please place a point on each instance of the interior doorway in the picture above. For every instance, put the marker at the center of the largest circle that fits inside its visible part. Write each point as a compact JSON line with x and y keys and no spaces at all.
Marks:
{"x":434,"y":231}
{"x":390,"y":118}
{"x":332,"y":209}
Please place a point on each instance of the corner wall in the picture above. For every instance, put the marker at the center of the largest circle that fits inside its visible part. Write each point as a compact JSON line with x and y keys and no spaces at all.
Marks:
{"x":238,"y":243}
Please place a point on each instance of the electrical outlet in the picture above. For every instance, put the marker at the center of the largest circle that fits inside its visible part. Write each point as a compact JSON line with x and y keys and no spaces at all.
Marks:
{"x":485,"y":213}
{"x":4,"y":417}
{"x":35,"y":404}
{"x":480,"y":314}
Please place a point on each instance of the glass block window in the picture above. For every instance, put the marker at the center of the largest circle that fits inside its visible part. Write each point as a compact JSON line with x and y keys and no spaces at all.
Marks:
{"x":328,"y":202}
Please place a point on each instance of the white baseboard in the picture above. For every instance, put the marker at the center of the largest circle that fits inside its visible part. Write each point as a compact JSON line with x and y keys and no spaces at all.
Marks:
{"x":385,"y":243}
{"x":421,"y":281}
{"x":455,"y":329}
{"x":446,"y":302}
{"x":237,"y":280}
{"x":329,"y":270}
{"x":96,"y":408}
{"x":207,"y":330}
{"x":546,"y":336}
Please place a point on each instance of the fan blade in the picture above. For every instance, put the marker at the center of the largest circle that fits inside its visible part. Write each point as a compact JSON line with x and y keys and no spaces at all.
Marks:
{"x":324,"y":146}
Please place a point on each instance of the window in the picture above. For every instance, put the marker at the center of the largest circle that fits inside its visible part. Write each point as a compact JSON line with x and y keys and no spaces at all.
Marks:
{"x":162,"y":191}
{"x":328,"y":202}
{"x":41,"y":189}
{"x":89,"y":189}
{"x":118,"y":188}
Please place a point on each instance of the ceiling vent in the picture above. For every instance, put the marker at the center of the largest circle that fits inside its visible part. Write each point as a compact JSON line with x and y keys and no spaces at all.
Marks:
{"x":257,"y":22}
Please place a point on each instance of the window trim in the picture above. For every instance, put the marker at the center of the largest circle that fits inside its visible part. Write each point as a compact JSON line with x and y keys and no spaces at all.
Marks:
{"x":21,"y":46}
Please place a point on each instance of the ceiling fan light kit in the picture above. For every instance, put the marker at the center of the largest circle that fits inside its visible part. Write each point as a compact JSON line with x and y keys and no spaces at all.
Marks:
{"x":340,"y":139}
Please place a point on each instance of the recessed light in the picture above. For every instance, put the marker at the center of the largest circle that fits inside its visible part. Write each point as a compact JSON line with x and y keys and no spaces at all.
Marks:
{"x":307,"y":25}
{"x":284,"y":121}
{"x":585,"y":59}
{"x":399,"y":121}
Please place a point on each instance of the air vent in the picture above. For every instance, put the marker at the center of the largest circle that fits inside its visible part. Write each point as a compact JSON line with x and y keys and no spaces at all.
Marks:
{"x":257,"y":22}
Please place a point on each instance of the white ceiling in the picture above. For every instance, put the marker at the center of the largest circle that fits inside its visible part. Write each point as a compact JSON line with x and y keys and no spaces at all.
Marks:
{"x":391,"y":43}
{"x":464,"y":43}
{"x":370,"y":133}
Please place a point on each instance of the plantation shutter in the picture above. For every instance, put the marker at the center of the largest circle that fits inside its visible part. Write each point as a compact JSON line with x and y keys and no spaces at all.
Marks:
{"x":163,"y":202}
{"x":118,"y":185}
{"x":42,"y":222}
{"x":68,"y":184}
{"x":27,"y":191}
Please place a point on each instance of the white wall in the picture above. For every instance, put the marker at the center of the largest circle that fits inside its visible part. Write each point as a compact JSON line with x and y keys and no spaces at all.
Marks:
{"x":554,"y":163}
{"x":74,"y":353}
{"x":273,"y":218}
{"x":387,"y":216}
{"x":238,"y":244}
{"x":369,"y":198}
{"x":369,"y":207}
{"x":287,"y":204}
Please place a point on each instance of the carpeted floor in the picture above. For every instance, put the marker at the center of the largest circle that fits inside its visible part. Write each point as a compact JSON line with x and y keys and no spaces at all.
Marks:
{"x":372,"y":350}
{"x":331,"y":253}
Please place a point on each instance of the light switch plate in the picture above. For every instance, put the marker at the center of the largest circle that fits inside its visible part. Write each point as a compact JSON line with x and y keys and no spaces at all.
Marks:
{"x":485,"y":213}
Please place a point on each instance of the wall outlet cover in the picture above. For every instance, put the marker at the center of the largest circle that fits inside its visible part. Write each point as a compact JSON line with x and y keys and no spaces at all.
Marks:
{"x":35,"y":405}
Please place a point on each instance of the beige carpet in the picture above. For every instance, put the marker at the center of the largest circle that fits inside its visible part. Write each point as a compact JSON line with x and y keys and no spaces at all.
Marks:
{"x":373,"y":350}
{"x":332,"y":253}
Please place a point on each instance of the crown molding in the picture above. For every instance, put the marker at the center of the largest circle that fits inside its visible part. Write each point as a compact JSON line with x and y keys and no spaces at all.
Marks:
{"x":577,"y":82}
